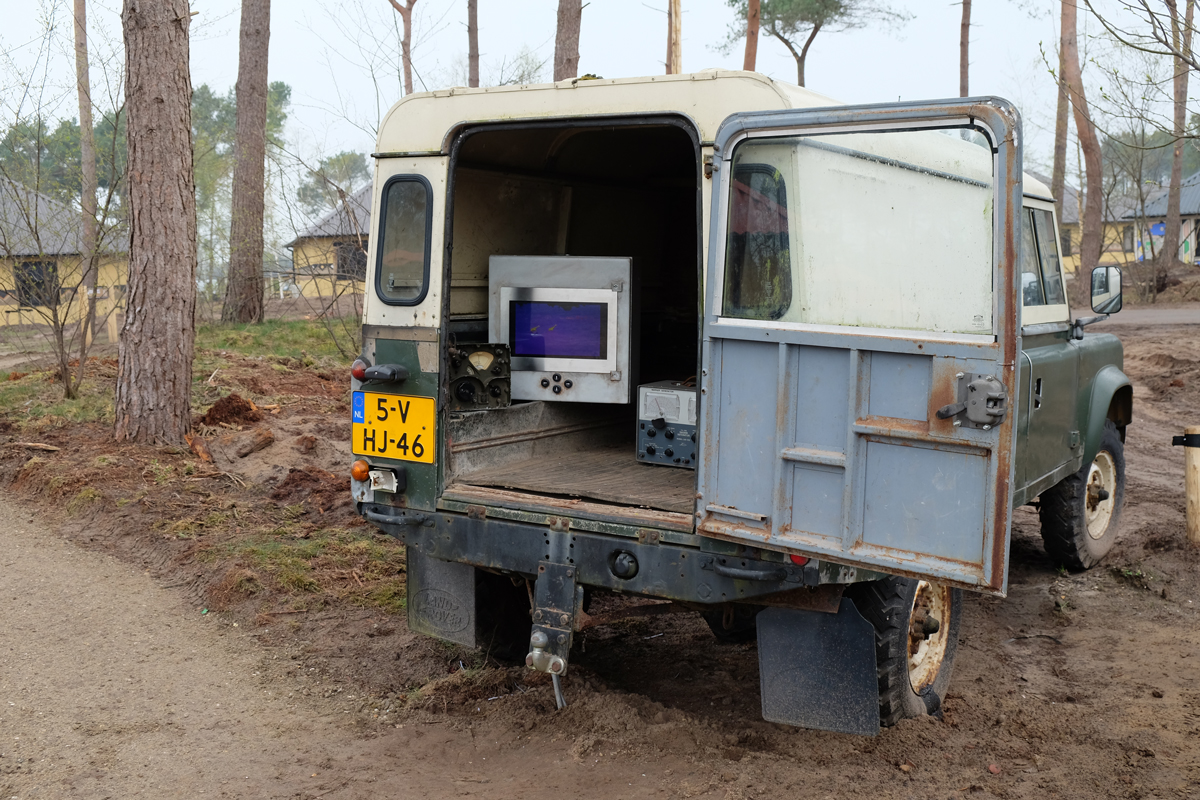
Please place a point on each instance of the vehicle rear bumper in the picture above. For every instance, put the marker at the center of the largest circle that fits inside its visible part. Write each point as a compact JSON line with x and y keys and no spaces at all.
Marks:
{"x":669,"y":571}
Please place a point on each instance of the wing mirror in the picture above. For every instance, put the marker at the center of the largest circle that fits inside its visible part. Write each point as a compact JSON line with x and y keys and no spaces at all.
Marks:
{"x":1106,"y":298}
{"x":1106,"y":290}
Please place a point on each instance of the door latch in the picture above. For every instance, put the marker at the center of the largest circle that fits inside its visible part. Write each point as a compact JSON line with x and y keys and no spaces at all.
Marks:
{"x":983,"y":402}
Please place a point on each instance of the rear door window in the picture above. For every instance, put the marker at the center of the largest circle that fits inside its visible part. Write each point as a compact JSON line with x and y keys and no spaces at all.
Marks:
{"x":402,"y":261}
{"x":758,"y":284}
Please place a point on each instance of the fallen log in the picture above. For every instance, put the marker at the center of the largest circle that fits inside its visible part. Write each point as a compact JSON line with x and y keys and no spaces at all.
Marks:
{"x":199,"y":447}
{"x":256,"y":440}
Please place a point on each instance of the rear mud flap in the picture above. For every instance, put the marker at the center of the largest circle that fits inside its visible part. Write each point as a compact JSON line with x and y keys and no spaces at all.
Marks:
{"x":441,"y":598}
{"x":817,"y":670}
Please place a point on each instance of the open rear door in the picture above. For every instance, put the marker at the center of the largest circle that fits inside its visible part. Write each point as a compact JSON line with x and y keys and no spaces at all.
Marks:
{"x":860,"y":336}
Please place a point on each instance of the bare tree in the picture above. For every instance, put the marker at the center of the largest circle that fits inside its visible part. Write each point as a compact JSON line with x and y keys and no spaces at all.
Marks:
{"x":405,"y":12}
{"x":1090,"y":239}
{"x":87,"y":201}
{"x":154,"y":372}
{"x":796,"y":23}
{"x":964,"y":48}
{"x":244,"y":289}
{"x":1181,"y":40}
{"x":566,"y":39}
{"x":753,"y":18}
{"x":49,"y":282}
{"x":1156,"y":31}
{"x":473,"y":43}
{"x":1058,"y":175}
{"x":674,"y":37}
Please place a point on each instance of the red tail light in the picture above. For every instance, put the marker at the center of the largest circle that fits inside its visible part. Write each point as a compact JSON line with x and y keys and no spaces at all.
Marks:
{"x":359,"y":369}
{"x":799,"y":561}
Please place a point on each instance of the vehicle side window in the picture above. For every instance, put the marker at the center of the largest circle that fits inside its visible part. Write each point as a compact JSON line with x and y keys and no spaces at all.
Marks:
{"x":402,"y":262}
{"x":1099,"y":282}
{"x":1031,"y":278}
{"x":758,"y":277}
{"x":1048,"y":249}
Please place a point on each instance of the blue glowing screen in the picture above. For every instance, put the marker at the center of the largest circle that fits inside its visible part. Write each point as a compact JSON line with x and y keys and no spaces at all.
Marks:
{"x":559,"y":329}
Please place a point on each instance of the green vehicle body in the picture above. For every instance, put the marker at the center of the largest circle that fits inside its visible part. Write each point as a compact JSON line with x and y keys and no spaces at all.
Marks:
{"x":466,"y":543}
{"x":1083,"y":384}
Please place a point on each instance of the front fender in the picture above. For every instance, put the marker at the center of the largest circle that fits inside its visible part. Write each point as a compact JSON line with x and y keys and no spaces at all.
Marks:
{"x":1111,"y":398}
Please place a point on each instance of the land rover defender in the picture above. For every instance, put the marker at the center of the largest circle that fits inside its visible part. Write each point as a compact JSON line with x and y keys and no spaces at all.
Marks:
{"x":720,"y":341}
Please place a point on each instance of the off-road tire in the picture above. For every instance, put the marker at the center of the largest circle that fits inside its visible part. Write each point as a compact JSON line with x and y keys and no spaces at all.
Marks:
{"x":888,"y":605}
{"x":739,"y":627}
{"x":1064,"y":508}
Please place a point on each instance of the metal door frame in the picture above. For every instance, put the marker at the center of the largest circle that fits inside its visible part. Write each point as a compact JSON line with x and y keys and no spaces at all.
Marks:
{"x":1001,"y":122}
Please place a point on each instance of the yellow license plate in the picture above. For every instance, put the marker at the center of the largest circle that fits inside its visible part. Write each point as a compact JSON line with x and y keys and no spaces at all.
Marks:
{"x":393,"y":426}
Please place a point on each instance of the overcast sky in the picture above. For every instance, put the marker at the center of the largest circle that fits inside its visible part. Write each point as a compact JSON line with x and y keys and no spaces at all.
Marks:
{"x":316,"y":47}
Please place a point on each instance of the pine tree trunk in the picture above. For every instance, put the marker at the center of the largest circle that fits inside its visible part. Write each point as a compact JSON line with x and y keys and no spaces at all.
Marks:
{"x":1182,"y":40}
{"x":1058,"y":178}
{"x":405,"y":12}
{"x":154,"y":372}
{"x":87,"y":201}
{"x":674,"y":37}
{"x":473,"y":43}
{"x":1090,"y":241}
{"x":566,"y":40}
{"x":753,"y":17}
{"x":244,"y":289}
{"x":964,"y":47}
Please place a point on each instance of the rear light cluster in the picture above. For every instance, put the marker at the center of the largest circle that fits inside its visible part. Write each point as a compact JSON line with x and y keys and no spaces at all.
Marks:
{"x":360,"y":470}
{"x":359,"y":369}
{"x":799,"y":561}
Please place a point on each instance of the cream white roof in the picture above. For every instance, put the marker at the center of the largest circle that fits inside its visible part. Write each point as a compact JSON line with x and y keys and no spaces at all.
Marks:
{"x":418,"y":124}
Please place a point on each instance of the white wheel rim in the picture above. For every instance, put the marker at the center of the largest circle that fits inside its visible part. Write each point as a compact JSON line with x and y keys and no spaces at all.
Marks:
{"x":1101,"y":494}
{"x":927,"y":651}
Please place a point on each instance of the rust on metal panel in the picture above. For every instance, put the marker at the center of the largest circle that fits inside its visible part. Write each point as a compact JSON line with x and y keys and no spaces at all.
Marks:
{"x":1009,"y":344}
{"x":826,"y":598}
{"x":520,"y":501}
{"x":897,"y":559}
{"x":944,"y":392}
{"x":914,"y":428}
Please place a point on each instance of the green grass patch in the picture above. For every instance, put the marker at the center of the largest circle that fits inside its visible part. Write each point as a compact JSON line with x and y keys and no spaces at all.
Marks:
{"x":36,"y":398}
{"x":357,"y":566}
{"x":281,"y":338}
{"x":83,"y":500}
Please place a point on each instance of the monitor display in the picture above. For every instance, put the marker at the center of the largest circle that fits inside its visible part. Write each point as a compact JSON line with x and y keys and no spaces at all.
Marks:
{"x":555,"y":329}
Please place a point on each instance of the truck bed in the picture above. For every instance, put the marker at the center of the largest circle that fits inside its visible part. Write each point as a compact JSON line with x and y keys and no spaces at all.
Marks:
{"x":606,"y":472}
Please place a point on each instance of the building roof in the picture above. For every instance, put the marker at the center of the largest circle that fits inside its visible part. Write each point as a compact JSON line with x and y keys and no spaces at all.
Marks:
{"x":1189,"y":199}
{"x":1118,"y":208}
{"x":33,"y":224}
{"x":338,"y":222}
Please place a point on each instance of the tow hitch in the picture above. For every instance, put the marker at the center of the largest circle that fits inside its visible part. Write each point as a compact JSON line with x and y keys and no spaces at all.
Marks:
{"x":557,"y":602}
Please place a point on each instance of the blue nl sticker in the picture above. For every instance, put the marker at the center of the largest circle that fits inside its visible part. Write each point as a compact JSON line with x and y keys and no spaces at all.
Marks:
{"x":358,"y":407}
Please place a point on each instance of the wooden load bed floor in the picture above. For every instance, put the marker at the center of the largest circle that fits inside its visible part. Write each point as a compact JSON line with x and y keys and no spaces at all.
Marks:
{"x":608,"y":473}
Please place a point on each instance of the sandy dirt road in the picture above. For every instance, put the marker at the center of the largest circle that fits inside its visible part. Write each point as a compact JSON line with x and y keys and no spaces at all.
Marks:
{"x":110,"y":687}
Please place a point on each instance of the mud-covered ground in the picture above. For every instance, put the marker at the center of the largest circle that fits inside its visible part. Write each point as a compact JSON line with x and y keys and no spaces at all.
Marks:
{"x":1075,"y":685}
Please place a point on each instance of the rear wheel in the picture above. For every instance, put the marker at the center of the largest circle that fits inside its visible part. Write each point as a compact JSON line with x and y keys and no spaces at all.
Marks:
{"x":916,"y":639}
{"x":1080,"y":514}
{"x":733,"y":623}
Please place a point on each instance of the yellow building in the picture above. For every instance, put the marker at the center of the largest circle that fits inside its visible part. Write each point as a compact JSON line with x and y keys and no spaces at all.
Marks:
{"x":41,"y":268}
{"x":329,"y":257}
{"x":1134,"y":231}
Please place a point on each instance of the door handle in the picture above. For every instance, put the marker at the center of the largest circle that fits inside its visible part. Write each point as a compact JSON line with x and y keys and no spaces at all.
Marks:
{"x":984,"y":402}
